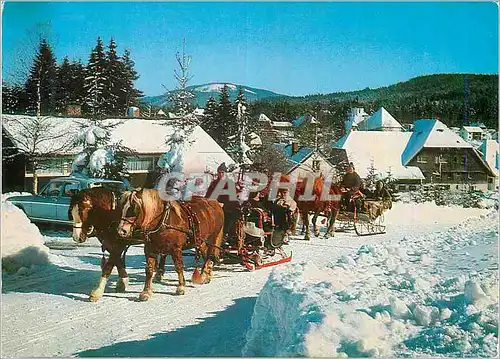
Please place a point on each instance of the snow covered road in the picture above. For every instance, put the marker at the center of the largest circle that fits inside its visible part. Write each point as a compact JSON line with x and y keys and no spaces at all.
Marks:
{"x":45,"y":311}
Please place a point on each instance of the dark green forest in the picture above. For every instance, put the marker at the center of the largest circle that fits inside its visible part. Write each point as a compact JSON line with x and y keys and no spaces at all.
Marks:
{"x":455,"y":99}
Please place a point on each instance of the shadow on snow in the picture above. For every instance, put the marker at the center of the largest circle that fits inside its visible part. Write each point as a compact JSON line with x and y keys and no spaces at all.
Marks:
{"x":220,"y":335}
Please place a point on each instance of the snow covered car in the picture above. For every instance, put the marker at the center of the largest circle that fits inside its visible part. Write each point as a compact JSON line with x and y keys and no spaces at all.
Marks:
{"x":51,"y":204}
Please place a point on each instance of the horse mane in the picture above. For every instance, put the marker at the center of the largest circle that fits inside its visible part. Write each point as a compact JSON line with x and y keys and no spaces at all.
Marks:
{"x":150,"y":204}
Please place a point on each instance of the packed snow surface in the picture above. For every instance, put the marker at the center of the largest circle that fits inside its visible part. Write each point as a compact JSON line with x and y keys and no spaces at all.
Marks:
{"x":426,"y":287}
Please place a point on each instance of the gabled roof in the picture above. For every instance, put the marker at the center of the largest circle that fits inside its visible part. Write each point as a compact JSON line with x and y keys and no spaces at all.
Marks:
{"x":431,"y":134}
{"x":380,"y":148}
{"x":294,"y":160}
{"x":302,"y":119}
{"x":380,"y":119}
{"x":264,"y":118}
{"x":300,"y":156}
{"x":142,"y":136}
{"x":473,"y":129}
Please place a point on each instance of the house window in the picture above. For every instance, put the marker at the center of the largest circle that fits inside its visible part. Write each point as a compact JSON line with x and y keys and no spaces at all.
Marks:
{"x":402,"y":187}
{"x":455,"y":159}
{"x":412,"y":187}
{"x":421,"y":159}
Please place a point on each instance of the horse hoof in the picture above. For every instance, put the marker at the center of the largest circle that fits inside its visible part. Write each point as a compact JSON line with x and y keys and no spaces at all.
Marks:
{"x":121,"y":286}
{"x":144,"y":296}
{"x":93,"y":298}
{"x":158,"y":278}
{"x":180,"y":291}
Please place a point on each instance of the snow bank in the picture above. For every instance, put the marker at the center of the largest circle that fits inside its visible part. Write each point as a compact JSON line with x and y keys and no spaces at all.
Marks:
{"x":426,"y":295}
{"x":22,"y":243}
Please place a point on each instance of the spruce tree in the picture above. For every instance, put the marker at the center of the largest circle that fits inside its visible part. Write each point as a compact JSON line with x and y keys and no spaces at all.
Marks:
{"x":226,"y":119}
{"x":112,"y":73}
{"x":95,"y":82}
{"x":41,"y":83}
{"x":210,"y":118}
{"x":77,"y":85}
{"x":63,"y":86}
{"x":128,"y":94}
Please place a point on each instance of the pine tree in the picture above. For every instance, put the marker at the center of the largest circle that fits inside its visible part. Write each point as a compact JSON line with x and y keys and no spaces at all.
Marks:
{"x":112,"y":73}
{"x":41,"y":83}
{"x":77,"y":85}
{"x":128,"y":95}
{"x":63,"y":86}
{"x":95,"y":82}
{"x":11,"y":95}
{"x":226,"y":119}
{"x":210,"y":119}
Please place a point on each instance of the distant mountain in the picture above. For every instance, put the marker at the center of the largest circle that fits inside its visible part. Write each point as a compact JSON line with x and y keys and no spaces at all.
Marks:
{"x":205,"y":91}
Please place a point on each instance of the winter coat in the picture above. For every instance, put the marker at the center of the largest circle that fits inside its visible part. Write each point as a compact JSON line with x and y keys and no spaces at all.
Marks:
{"x":351,"y":180}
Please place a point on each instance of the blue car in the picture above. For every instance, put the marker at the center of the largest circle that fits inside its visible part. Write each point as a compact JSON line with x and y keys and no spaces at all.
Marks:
{"x":51,"y":204}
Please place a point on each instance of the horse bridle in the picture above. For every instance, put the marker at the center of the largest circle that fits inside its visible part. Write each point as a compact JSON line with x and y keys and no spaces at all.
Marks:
{"x":165,"y":214}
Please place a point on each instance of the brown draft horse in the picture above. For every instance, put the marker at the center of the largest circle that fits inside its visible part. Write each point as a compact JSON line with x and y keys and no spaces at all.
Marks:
{"x":168,"y":227}
{"x":317,"y":206}
{"x":96,"y":210}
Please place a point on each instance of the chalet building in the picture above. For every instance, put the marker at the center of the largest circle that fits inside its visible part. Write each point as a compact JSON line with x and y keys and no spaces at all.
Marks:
{"x":356,"y":115}
{"x":147,"y":138}
{"x":445,"y":158}
{"x":133,"y":111}
{"x":378,"y":152}
{"x":275,"y":131}
{"x":382,"y":120}
{"x":303,"y":161}
{"x":469,"y":133}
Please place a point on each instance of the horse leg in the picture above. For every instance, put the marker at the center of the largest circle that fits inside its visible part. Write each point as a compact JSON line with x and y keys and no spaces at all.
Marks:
{"x":330,"y":231}
{"x":160,"y":269}
{"x":179,"y":268}
{"x":122,"y":283}
{"x":98,"y":291}
{"x":147,"y":292}
{"x":314,"y":218}
{"x":211,"y":256}
{"x":305,"y":225}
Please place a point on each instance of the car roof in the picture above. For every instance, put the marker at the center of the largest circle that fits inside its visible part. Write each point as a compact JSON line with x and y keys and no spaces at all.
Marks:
{"x":85,"y":180}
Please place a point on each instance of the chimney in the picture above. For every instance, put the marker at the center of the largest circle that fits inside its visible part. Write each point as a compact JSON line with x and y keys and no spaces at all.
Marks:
{"x":295,"y":148}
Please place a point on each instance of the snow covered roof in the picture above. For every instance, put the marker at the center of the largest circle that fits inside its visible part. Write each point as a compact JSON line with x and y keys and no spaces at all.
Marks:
{"x":161,"y":112}
{"x":473,"y":129}
{"x":303,"y":118}
{"x":380,"y":148}
{"x":294,"y":159}
{"x":431,"y":133}
{"x":264,"y":118}
{"x":281,"y":124}
{"x":380,"y":119}
{"x":142,"y":136}
{"x":199,"y":111}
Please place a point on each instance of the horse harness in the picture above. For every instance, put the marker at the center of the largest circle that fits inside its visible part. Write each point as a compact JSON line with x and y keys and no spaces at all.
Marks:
{"x":193,"y":224}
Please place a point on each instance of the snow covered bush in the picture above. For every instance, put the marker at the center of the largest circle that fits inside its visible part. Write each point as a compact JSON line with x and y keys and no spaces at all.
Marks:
{"x":22,"y":244}
{"x":466,"y":199}
{"x":410,"y":298}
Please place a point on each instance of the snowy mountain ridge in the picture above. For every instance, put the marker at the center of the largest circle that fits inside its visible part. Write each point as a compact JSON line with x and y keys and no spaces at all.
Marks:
{"x":204,"y":91}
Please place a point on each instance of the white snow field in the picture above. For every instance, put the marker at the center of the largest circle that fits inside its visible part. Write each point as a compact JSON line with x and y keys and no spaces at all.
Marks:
{"x":427,"y":287}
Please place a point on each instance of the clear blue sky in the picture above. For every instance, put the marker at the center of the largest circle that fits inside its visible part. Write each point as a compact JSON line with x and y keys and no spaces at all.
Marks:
{"x":291,"y":48}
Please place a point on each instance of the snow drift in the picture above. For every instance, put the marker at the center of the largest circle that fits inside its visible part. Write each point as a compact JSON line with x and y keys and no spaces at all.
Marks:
{"x":426,"y":295}
{"x":22,"y":244}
